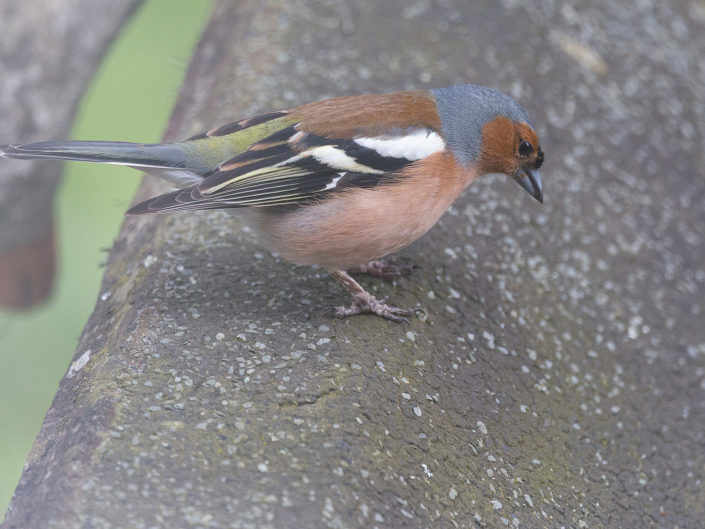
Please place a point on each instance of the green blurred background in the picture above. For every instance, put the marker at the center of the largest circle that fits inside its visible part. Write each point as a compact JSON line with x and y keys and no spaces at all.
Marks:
{"x":130,"y":98}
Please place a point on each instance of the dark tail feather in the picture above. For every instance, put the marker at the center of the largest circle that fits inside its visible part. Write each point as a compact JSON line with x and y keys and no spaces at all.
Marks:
{"x":121,"y":153}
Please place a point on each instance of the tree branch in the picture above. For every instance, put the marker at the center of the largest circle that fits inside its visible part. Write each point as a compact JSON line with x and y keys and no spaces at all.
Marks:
{"x":558,"y":378}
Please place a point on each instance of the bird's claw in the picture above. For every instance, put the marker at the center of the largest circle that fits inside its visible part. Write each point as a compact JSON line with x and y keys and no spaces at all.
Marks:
{"x":373,"y":305}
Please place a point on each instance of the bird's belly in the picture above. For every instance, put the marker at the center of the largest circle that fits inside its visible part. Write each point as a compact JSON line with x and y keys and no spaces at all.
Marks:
{"x":334,"y":243}
{"x":354,"y":227}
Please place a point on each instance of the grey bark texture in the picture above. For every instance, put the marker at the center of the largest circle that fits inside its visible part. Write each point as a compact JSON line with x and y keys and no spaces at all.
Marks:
{"x":49,"y":52}
{"x":558,"y":378}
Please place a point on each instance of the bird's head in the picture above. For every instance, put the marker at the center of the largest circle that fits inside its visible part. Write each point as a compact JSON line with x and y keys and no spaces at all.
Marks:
{"x":489,"y":131}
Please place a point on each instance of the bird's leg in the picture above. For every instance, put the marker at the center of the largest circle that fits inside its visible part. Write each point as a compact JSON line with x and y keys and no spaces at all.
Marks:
{"x":384,"y":269}
{"x":363,"y":301}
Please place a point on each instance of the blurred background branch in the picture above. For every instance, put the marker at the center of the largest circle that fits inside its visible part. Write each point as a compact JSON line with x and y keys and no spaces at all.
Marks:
{"x":49,"y":52}
{"x":64,"y":68}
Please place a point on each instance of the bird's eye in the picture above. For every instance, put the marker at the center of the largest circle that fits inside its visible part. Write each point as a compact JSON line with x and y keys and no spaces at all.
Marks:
{"x":525,"y":148}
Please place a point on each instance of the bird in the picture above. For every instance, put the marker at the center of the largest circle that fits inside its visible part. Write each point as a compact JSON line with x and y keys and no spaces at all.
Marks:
{"x":339,"y":183}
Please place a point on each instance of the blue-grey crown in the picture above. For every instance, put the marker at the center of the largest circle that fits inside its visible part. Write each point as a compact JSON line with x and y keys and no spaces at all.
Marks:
{"x":464,"y":109}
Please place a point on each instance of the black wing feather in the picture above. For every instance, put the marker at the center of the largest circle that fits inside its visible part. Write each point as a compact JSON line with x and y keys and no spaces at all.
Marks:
{"x":283,"y":168}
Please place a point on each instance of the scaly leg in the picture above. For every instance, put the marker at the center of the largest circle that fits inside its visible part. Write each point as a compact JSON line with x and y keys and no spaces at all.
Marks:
{"x":383,"y":269}
{"x":363,"y":301}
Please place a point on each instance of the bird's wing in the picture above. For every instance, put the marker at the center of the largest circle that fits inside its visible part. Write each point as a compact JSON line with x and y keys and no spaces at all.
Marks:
{"x":326,"y":147}
{"x":292,"y":166}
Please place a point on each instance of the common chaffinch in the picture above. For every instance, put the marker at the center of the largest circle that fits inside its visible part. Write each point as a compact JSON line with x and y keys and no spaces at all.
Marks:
{"x":339,"y":183}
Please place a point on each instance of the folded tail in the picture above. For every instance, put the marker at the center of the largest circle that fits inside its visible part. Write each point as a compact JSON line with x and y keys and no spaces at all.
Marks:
{"x":167,"y":161}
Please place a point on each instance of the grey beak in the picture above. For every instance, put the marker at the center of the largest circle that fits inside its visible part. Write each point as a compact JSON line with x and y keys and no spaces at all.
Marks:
{"x":530,"y":180}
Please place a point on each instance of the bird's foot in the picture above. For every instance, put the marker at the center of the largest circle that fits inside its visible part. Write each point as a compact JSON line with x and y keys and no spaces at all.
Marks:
{"x":370,"y":304}
{"x":364,"y":302}
{"x":384,"y":269}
